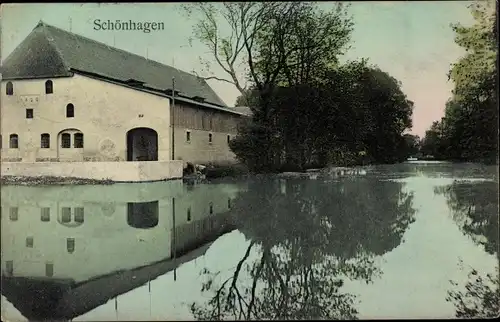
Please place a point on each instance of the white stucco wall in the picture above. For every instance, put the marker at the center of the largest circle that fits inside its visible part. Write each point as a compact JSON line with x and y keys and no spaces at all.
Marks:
{"x":104,"y":242}
{"x":133,"y":171}
{"x":200,"y":150}
{"x":104,"y":112}
{"x":103,"y":235}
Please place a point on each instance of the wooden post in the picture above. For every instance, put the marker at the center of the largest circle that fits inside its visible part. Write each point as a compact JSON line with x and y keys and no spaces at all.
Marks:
{"x":174,"y":237}
{"x":172,"y":108}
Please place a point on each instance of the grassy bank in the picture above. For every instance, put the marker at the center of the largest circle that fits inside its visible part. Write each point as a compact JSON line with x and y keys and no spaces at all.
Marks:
{"x":50,"y":180}
{"x":214,"y":171}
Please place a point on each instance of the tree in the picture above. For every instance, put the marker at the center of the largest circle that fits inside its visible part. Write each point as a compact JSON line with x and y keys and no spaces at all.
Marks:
{"x":243,"y":20}
{"x":431,"y":143}
{"x":275,"y":41}
{"x":410,"y":145}
{"x":306,"y":107}
{"x":470,"y":132}
{"x":351,"y":110}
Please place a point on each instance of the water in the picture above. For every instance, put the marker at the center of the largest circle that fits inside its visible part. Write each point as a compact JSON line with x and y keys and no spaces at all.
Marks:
{"x":392,"y":243}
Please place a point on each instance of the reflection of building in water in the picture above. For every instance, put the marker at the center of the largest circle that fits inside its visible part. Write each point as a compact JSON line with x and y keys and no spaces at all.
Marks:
{"x":80,"y":246}
{"x":143,"y":214}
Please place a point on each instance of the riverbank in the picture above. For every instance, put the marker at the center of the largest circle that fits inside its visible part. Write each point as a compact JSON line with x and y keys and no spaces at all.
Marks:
{"x":241,"y":171}
{"x":211,"y":172}
{"x":50,"y":180}
{"x":215,"y":171}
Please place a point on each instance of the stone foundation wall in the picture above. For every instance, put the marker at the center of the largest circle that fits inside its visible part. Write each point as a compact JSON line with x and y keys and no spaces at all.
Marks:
{"x":134,"y":171}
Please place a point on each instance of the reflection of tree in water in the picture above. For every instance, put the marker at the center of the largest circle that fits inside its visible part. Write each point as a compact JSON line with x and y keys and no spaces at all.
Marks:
{"x":307,"y":236}
{"x":481,"y":298}
{"x":474,"y":207}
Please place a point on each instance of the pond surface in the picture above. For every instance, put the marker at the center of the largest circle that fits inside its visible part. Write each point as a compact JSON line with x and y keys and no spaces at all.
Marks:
{"x":401,"y":241}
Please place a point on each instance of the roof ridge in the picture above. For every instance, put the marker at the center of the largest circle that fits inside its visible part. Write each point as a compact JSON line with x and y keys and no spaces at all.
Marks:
{"x":43,"y":24}
{"x":53,"y":44}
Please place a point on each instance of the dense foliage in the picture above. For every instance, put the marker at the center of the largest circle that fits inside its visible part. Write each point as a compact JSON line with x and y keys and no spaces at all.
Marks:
{"x":469,"y":129}
{"x":308,"y":108}
{"x":357,"y":114}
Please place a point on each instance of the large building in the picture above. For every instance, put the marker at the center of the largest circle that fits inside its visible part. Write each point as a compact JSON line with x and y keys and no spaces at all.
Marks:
{"x":67,"y":98}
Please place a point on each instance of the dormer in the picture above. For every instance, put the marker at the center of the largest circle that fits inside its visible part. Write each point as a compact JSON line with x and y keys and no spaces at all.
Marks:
{"x":199,"y":99}
{"x":169,"y":91}
{"x":134,"y":82}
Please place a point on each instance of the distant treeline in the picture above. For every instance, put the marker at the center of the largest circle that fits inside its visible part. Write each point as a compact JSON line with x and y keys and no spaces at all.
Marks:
{"x":469,"y":129}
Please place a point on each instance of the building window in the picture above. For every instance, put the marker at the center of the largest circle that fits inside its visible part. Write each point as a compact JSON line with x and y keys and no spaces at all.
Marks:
{"x":29,"y":242}
{"x":229,"y":203}
{"x":66,"y":215}
{"x":1,"y":141}
{"x":188,"y":136}
{"x":29,"y":113}
{"x":228,"y":138}
{"x":211,"y":208}
{"x":70,"y":245}
{"x":45,"y":214}
{"x":9,"y":267}
{"x":49,"y":89}
{"x":203,"y":122}
{"x":49,"y":269}
{"x":10,"y":89}
{"x":189,"y":214}
{"x":79,"y":215}
{"x":70,"y":110}
{"x":65,"y":140}
{"x":45,"y":141}
{"x":14,"y":213}
{"x":14,"y":141}
{"x":209,"y":137}
{"x":78,"y":140}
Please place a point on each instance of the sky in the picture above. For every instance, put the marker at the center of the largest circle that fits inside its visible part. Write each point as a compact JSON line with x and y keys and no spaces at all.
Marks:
{"x":412,"y":41}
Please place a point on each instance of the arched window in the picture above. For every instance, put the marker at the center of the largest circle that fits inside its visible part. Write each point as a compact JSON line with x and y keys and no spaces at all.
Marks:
{"x":45,"y":141}
{"x":143,"y":215}
{"x":79,"y":213}
{"x":14,"y":141}
{"x":49,"y":87}
{"x":70,"y":110}
{"x":68,"y":219}
{"x":78,"y":140}
{"x":65,"y":215}
{"x":66,"y":140}
{"x":45,"y":214}
{"x":10,"y":88}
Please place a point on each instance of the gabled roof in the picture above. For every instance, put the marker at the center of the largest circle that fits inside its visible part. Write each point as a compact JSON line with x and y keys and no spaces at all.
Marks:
{"x":244,"y":110}
{"x":49,"y":51}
